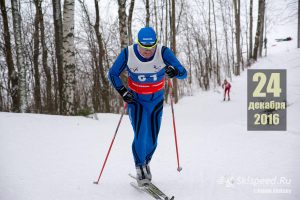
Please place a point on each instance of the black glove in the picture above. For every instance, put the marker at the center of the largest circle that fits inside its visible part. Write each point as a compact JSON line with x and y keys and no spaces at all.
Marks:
{"x":127,"y":96}
{"x":171,"y":71}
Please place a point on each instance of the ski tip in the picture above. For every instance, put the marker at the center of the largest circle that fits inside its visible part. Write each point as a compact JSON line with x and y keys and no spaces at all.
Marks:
{"x":172,"y":198}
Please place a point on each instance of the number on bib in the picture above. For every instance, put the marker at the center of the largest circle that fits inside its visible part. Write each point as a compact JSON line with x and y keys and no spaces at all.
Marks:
{"x":143,"y":77}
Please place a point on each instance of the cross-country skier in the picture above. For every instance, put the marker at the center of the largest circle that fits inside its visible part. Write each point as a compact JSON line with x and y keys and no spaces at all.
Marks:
{"x":226,"y":86}
{"x":147,"y":63}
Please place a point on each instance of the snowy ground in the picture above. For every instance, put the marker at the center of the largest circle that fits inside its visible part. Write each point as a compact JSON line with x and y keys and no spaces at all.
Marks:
{"x":58,"y":158}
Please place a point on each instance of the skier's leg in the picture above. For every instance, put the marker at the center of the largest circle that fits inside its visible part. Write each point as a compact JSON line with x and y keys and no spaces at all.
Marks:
{"x":154,"y":115}
{"x":139,"y":144}
{"x":137,"y":117}
{"x":226,"y":92}
{"x":154,"y":123}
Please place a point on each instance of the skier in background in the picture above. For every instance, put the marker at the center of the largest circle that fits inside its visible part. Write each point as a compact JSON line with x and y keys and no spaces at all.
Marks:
{"x":147,"y":63}
{"x":226,"y":86}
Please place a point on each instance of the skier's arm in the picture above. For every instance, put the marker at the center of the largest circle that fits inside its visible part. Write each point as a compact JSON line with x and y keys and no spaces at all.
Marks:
{"x":171,"y":60}
{"x":115,"y":71}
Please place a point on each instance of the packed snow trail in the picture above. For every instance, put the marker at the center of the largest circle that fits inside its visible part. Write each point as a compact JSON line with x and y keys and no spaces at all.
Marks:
{"x":54,"y":157}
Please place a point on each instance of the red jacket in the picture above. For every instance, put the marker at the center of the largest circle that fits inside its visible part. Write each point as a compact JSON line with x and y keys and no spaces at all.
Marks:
{"x":227,"y":85}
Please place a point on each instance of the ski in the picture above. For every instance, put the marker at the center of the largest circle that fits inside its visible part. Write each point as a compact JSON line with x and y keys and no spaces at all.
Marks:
{"x":146,"y":189}
{"x":159,"y":192}
{"x":155,"y":189}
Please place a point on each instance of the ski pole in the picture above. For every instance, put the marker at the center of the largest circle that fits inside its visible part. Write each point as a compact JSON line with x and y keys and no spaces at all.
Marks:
{"x":179,"y":168}
{"x":112,"y":142}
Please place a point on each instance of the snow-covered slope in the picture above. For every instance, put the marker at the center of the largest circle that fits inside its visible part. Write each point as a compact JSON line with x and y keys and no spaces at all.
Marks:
{"x":58,"y":158}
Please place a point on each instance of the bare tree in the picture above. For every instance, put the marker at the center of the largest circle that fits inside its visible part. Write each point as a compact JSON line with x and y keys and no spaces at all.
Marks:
{"x":155,"y":15}
{"x":237,"y":13}
{"x":58,"y":33}
{"x":262,"y":29}
{"x":105,"y":85}
{"x":20,"y":52}
{"x":147,"y":13}
{"x":69,"y":55}
{"x":166,"y":23}
{"x":298,"y":24}
{"x":217,"y":49}
{"x":261,"y":6}
{"x":100,"y":88}
{"x":173,"y":47}
{"x":49,"y":104}
{"x":123,"y":33}
{"x":210,"y":66}
{"x":130,"y":21}
{"x":122,"y":23}
{"x":13,"y":85}
{"x":225,"y":29}
{"x":36,"y":52}
{"x":251,"y":29}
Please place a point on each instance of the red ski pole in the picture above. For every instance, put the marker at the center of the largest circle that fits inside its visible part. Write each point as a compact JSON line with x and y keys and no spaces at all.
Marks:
{"x":112,"y":142}
{"x":179,"y":168}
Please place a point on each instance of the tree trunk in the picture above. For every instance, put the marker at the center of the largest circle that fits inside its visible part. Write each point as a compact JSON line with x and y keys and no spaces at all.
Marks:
{"x":1,"y":98}
{"x":123,"y":33}
{"x":105,"y":90}
{"x":173,"y":46}
{"x":166,"y":41}
{"x":55,"y":79}
{"x":210,"y":66}
{"x":13,"y":82}
{"x":69,"y":55}
{"x":49,"y":103}
{"x":217,"y":49}
{"x":251,"y":30}
{"x":130,"y":22}
{"x":237,"y":8}
{"x":36,"y":52}
{"x":189,"y":52}
{"x":147,"y":13}
{"x":258,"y":29}
{"x":261,"y":37}
{"x":20,"y":52}
{"x":246,"y":37}
{"x":156,"y":20}
{"x":166,"y":25}
{"x":298,"y":24}
{"x":58,"y":33}
{"x":227,"y":68}
{"x":232,"y":40}
{"x":122,"y":23}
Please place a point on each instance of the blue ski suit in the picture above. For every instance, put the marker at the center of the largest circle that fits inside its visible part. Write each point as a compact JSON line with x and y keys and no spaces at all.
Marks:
{"x":146,"y":82}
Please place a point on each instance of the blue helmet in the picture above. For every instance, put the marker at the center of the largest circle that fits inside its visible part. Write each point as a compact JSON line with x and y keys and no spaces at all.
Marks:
{"x":147,"y":37}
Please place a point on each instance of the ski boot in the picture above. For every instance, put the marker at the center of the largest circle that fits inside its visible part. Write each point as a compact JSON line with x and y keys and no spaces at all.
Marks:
{"x":144,"y":176}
